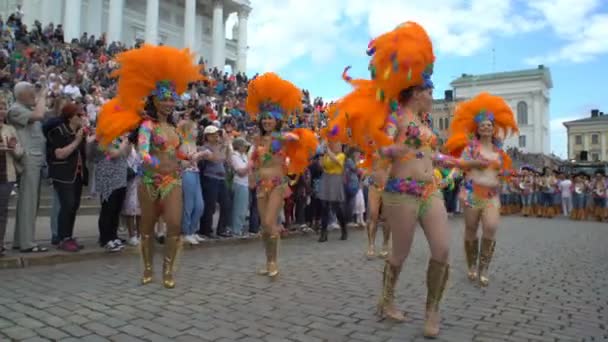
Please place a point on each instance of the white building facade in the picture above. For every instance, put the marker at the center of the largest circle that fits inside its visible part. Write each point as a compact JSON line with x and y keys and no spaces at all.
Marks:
{"x":528,"y":92}
{"x":197,"y":24}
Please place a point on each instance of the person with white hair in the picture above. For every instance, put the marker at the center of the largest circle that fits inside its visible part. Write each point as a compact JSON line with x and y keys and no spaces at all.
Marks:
{"x":26,"y":115}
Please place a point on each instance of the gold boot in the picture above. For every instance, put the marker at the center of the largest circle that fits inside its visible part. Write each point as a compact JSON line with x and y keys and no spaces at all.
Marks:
{"x":371,"y":239}
{"x":437,"y":276}
{"x":265,"y":241}
{"x":386,"y":239}
{"x":386,"y":307}
{"x":485,"y":257}
{"x":471,"y":251}
{"x":147,"y":255}
{"x":273,"y":244}
{"x":172,"y":244}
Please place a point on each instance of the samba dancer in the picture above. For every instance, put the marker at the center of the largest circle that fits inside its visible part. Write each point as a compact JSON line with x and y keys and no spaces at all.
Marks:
{"x":149,"y":81}
{"x":388,"y":114}
{"x":272,"y":101}
{"x":476,"y":134}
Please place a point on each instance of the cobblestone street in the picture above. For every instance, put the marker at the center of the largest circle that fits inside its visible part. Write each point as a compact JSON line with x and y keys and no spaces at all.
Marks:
{"x":549,"y":282}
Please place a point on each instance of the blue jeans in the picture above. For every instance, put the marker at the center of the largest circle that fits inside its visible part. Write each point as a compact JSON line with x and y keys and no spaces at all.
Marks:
{"x":527,"y":200}
{"x":578,"y":201}
{"x":193,"y":202}
{"x":240,"y":204}
{"x":214,"y":192}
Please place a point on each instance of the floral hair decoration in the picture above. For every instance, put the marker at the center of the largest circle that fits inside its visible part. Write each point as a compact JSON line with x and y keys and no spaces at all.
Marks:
{"x":484,"y":116}
{"x":165,"y":90}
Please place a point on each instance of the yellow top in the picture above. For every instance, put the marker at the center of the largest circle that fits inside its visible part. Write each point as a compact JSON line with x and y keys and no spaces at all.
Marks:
{"x":331,"y":167}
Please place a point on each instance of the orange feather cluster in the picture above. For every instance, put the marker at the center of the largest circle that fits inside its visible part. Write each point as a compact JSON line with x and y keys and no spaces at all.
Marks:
{"x":401,"y":59}
{"x":301,"y":151}
{"x":270,"y":88}
{"x":464,"y":127}
{"x":114,"y":120}
{"x":138,"y":74}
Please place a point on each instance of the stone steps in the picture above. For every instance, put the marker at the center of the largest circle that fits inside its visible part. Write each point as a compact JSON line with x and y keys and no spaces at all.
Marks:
{"x":88,"y":206}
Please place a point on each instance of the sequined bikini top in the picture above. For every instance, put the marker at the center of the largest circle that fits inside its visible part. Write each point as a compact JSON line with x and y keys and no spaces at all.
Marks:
{"x":414,"y":135}
{"x":265,"y":152}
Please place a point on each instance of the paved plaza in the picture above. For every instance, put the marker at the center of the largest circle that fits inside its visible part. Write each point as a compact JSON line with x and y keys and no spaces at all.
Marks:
{"x":549,"y":283}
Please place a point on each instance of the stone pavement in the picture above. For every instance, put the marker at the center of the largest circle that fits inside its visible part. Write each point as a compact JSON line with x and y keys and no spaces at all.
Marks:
{"x":549,"y":283}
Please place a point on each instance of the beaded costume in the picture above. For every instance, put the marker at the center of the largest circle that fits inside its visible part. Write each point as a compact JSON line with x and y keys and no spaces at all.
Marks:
{"x":276,"y":154}
{"x":464,"y":141}
{"x":150,"y":78}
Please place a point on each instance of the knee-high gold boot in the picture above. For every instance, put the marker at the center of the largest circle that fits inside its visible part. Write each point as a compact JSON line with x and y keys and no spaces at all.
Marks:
{"x":273,"y":255}
{"x":386,"y":307}
{"x":471,"y":251}
{"x":486,"y":252}
{"x":147,"y":255}
{"x":386,"y":239}
{"x":172,"y":244}
{"x":371,"y":238}
{"x":437,"y":276}
{"x":265,"y":242}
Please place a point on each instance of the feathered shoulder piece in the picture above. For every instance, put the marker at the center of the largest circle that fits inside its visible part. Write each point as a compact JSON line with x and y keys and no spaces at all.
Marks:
{"x":115,"y":120}
{"x":269,"y":94}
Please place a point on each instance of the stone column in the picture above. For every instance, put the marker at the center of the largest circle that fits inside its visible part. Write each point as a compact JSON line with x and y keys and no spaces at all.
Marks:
{"x":537,"y":119}
{"x":241,"y":59}
{"x":115,"y":21}
{"x":152,"y":8}
{"x":189,"y":24}
{"x":31,"y":12}
{"x":71,"y":26}
{"x":218,"y":41}
{"x":94,"y":14}
{"x":52,"y":12}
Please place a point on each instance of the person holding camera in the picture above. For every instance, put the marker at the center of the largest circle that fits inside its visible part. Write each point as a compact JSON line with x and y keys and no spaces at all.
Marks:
{"x":66,"y":158}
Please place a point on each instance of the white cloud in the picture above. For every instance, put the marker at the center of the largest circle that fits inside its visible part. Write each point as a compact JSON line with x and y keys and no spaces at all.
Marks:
{"x":584,"y":31}
{"x":282,"y":31}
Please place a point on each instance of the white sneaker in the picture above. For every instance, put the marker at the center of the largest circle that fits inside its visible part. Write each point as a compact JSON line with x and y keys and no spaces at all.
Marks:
{"x":191,"y":240}
{"x":111,"y":247}
{"x":133,"y":241}
{"x":199,"y":238}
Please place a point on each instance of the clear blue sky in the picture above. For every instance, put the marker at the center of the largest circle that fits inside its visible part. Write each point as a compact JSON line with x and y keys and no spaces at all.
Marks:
{"x":310,"y":42}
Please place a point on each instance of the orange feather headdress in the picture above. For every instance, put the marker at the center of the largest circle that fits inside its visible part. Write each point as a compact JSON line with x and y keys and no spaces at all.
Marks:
{"x":160,"y":71}
{"x":469,"y":114}
{"x":401,"y":59}
{"x":269,"y":94}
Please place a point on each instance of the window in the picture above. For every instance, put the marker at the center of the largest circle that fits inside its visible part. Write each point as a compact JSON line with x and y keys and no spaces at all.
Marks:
{"x":446,"y":123}
{"x":441,"y":123}
{"x":595,"y":139}
{"x":522,"y":141}
{"x":595,"y":157}
{"x":522,"y":113}
{"x":578,"y":140}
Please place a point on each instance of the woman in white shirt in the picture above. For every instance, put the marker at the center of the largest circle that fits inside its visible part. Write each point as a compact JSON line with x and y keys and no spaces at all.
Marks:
{"x":240,"y":185}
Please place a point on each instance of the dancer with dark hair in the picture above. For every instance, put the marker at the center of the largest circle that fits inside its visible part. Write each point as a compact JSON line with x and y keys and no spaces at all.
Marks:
{"x":272,"y":100}
{"x":389,"y":114}
{"x":149,"y":81}
{"x":477,"y":131}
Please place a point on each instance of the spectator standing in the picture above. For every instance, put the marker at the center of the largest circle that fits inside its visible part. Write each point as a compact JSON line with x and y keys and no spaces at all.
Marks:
{"x":240,"y":185}
{"x":565,"y":187}
{"x":193,"y":204}
{"x":131,"y":211}
{"x":10,"y":150}
{"x":111,"y":183}
{"x":332,"y":189}
{"x":25,"y":115}
{"x":66,"y":160}
{"x":213,"y":183}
